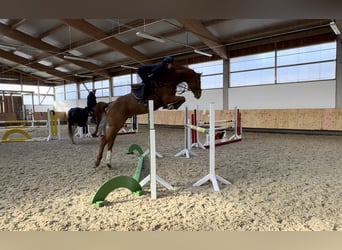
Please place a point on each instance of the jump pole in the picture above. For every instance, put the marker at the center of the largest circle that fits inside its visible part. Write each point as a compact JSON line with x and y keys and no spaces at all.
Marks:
{"x":236,"y":137}
{"x":153,"y":177}
{"x":53,"y":125}
{"x":212,"y":176}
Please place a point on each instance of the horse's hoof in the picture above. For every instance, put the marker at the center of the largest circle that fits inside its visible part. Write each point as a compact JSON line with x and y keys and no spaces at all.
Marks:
{"x":97,"y":163}
{"x":109,"y":166}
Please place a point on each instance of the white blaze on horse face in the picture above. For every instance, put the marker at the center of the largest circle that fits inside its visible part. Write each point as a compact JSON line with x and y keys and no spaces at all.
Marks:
{"x":109,"y":157}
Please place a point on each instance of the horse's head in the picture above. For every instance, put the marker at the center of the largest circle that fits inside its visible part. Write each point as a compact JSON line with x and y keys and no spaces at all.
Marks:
{"x":195,"y":85}
{"x":193,"y":80}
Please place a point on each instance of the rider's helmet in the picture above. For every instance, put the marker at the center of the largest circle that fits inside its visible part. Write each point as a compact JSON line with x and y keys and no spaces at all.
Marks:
{"x":168,"y":60}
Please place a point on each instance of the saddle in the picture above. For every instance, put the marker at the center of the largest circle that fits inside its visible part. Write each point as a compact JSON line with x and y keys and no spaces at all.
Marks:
{"x":138,"y":89}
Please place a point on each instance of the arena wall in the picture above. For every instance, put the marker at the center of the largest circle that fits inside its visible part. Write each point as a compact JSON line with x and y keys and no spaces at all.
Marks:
{"x":292,"y":119}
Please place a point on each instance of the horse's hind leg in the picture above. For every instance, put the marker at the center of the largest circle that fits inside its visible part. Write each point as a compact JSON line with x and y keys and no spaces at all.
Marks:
{"x":71,"y":132}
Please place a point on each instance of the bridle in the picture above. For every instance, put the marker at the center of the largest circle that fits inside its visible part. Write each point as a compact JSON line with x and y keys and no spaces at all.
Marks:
{"x":183,"y":86}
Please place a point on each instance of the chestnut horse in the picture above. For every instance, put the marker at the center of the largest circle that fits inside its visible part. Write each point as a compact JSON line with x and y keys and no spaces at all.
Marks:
{"x":164,"y":95}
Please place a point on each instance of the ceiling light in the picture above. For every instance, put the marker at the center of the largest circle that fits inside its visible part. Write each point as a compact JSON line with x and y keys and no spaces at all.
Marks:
{"x":62,"y":69}
{"x":3,"y":46}
{"x":203,"y":53}
{"x":84,"y":76}
{"x":148,"y":36}
{"x":334,"y":27}
{"x":23,"y":54}
{"x":77,"y":58}
{"x":128,"y":67}
{"x":8,"y":79}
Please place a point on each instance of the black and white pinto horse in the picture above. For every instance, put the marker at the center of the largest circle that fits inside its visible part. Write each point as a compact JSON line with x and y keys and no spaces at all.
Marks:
{"x":81,"y":117}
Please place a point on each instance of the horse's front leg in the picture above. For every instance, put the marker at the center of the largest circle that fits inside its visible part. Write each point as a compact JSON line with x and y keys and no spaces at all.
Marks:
{"x":109,"y":151}
{"x":174,"y":102}
{"x":103,"y":142}
{"x":111,"y":136}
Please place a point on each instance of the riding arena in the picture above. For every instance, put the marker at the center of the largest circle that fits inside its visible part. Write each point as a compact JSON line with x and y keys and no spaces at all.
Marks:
{"x":279,"y":182}
{"x":240,"y":129}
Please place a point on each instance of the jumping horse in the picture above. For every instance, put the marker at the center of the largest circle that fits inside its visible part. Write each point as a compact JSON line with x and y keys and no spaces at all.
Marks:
{"x":163,"y":95}
{"x":80,"y":116}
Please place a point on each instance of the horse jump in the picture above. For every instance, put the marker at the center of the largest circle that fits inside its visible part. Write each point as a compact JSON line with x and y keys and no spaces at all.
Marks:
{"x":212,"y":176}
{"x":52,"y":123}
{"x":130,"y":183}
{"x":220,"y":136}
{"x":130,"y":127}
{"x":164,"y":95}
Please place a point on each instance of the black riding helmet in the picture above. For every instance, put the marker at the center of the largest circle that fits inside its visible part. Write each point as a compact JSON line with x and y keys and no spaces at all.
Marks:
{"x":168,"y":60}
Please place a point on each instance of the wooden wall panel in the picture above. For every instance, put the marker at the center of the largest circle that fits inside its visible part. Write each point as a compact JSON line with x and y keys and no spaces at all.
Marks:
{"x":8,"y":116}
{"x":297,"y":119}
{"x":13,"y":104}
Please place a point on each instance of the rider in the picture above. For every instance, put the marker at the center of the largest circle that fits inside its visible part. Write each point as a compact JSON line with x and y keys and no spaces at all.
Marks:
{"x":91,"y":103}
{"x":149,"y":73}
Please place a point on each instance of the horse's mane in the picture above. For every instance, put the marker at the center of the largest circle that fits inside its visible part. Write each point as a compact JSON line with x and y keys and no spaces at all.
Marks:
{"x":179,"y":72}
{"x":182,"y":68}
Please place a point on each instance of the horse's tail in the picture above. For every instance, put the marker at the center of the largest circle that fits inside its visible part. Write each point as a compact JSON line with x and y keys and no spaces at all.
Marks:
{"x":70,"y":125}
{"x":98,"y":112}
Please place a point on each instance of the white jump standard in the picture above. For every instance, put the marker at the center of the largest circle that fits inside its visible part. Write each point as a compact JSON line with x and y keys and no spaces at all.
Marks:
{"x":212,"y":176}
{"x":153,"y":177}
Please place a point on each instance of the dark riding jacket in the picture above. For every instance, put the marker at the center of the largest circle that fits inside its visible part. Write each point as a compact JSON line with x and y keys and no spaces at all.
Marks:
{"x":91,"y":100}
{"x":150,"y":72}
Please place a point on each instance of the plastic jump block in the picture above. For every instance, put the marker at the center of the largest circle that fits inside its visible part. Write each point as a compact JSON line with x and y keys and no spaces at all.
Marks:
{"x":15,"y":131}
{"x":131,"y":183}
{"x":115,"y":183}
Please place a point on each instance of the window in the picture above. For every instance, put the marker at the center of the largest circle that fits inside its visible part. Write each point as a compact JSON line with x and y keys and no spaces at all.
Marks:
{"x":102,"y":88}
{"x":41,"y":100}
{"x":59,"y":93}
{"x":71,"y":91}
{"x":42,"y":95}
{"x":212,"y":74}
{"x":252,"y":69}
{"x":12,"y":87}
{"x":306,"y":63}
{"x":122,"y":84}
{"x":84,"y":89}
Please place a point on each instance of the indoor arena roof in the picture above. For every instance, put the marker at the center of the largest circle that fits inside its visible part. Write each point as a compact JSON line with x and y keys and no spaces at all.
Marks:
{"x":56,"y":51}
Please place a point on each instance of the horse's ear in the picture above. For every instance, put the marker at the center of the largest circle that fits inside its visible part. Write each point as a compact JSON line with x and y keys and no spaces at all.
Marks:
{"x":94,"y":91}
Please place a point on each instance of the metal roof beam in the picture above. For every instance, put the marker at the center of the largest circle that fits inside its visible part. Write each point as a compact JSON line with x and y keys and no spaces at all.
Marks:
{"x":38,"y":44}
{"x":34,"y":65}
{"x":101,"y":36}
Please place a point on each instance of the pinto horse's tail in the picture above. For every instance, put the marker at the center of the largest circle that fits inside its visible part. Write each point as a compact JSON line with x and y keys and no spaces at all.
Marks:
{"x":70,"y":125}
